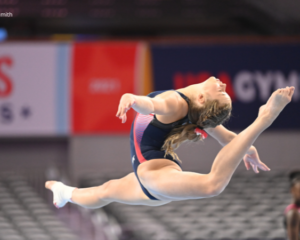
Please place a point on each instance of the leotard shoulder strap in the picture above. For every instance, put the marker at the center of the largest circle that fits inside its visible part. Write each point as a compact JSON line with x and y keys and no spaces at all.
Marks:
{"x":168,"y":126}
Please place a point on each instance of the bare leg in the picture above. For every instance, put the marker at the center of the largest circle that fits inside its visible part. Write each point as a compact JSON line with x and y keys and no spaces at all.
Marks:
{"x":124,"y":190}
{"x":90,"y":197}
{"x":164,"y":178}
{"x":231,"y":155}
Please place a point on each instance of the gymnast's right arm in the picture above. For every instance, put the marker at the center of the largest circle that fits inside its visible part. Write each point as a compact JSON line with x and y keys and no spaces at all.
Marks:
{"x":163,"y":105}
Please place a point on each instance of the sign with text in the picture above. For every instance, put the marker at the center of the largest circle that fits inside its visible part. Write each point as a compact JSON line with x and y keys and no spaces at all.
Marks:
{"x":102,"y":73}
{"x":28,"y":85}
{"x":252,"y":72}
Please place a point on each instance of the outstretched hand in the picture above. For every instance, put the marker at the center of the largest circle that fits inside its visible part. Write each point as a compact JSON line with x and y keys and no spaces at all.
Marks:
{"x":126,"y":102}
{"x":251,"y":159}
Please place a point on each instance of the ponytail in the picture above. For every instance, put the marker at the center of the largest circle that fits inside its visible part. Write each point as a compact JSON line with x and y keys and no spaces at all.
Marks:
{"x":210,"y":115}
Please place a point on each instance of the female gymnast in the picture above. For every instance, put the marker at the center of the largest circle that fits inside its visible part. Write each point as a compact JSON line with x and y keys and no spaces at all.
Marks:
{"x":163,"y":121}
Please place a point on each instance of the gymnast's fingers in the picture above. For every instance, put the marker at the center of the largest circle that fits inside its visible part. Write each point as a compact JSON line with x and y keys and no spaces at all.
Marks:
{"x":252,"y":165}
{"x":124,"y":118}
{"x":255,"y":168}
{"x":123,"y":111}
{"x":121,"y":117}
{"x":263,"y":167}
{"x":247,"y":165}
{"x":118,"y":112}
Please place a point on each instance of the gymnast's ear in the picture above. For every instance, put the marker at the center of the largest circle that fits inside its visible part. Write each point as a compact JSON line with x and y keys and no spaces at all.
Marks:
{"x":201,"y":98}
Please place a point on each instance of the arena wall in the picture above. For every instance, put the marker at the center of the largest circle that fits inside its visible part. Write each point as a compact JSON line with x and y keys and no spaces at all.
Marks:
{"x":109,"y":154}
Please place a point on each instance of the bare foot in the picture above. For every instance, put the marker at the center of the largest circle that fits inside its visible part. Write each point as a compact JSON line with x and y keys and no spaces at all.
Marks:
{"x":276,"y":103}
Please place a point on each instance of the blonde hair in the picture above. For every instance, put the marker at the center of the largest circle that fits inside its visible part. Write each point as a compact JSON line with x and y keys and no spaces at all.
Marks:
{"x":210,"y":115}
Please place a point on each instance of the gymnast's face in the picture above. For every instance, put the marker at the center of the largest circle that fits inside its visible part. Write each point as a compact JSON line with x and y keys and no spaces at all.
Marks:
{"x":296,"y":193}
{"x":213,"y":88}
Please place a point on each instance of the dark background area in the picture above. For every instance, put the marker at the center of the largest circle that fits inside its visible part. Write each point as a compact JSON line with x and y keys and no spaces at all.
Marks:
{"x":150,"y":18}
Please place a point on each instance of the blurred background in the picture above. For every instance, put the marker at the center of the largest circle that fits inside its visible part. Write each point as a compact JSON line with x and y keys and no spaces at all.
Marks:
{"x":64,"y":66}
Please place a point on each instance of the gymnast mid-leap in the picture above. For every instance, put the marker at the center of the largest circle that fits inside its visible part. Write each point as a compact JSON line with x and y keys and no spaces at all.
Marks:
{"x":164,"y":120}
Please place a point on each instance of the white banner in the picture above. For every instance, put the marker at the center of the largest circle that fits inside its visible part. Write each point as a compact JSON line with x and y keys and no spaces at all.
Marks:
{"x":29,"y":89}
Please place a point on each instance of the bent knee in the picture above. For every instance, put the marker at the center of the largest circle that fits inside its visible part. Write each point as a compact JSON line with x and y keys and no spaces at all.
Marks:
{"x":215,"y":187}
{"x":215,"y":191}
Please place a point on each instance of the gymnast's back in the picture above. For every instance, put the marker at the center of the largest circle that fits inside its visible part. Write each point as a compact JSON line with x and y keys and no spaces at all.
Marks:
{"x":148,"y":133}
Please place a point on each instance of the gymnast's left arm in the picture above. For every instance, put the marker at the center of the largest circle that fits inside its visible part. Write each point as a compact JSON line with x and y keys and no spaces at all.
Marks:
{"x":221,"y":134}
{"x":251,"y":159}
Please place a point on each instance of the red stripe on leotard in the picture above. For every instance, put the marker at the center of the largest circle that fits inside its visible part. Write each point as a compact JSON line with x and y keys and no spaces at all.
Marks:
{"x":141,"y":122}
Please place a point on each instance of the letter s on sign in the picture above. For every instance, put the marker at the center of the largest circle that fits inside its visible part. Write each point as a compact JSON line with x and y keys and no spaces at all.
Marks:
{"x":5,"y":82}
{"x":244,"y":87}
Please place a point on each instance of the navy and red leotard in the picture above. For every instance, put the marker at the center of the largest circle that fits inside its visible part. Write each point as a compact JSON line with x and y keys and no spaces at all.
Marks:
{"x":147,"y":137}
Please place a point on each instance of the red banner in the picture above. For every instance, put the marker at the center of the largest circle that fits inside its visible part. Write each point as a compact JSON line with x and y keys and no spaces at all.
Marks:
{"x":102,"y":72}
